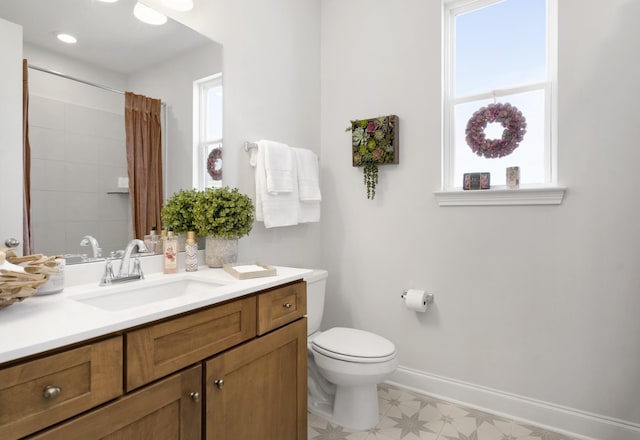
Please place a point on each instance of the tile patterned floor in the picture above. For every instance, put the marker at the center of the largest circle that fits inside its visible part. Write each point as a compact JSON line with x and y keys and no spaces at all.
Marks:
{"x":405,"y":415}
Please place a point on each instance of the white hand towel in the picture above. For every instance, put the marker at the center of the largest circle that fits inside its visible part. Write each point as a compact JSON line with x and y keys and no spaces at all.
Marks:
{"x":308,"y":175}
{"x":273,"y":209}
{"x":278,"y":166}
{"x":309,"y":212}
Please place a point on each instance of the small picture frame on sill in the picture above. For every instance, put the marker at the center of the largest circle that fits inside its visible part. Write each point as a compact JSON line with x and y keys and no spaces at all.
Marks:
{"x":475,"y":181}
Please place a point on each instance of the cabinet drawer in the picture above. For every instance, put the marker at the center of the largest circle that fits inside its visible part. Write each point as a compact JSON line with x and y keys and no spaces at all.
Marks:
{"x":167,"y":410}
{"x":44,"y":391}
{"x":281,"y":306}
{"x":161,"y":349}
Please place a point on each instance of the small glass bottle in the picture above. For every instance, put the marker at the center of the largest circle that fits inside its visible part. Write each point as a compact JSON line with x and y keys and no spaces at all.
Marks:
{"x":150,"y":241}
{"x":191,"y":252}
{"x":170,"y":253}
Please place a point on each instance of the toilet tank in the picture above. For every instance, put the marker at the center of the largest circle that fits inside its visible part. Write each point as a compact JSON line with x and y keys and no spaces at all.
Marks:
{"x":316,"y":283}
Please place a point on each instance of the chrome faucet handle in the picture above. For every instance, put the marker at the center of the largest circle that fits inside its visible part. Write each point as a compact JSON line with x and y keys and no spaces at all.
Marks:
{"x":107,"y":277}
{"x":137,"y":269}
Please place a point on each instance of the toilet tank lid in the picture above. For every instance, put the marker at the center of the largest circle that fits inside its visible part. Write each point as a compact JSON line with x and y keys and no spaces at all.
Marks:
{"x":354,"y":343}
{"x":315,"y":275}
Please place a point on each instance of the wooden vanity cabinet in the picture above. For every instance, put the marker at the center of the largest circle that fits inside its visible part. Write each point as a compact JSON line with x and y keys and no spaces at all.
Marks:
{"x":38,"y":393}
{"x":258,"y":390}
{"x":160,"y":349}
{"x":166,"y":410}
{"x":251,"y":353}
{"x":280,"y":306}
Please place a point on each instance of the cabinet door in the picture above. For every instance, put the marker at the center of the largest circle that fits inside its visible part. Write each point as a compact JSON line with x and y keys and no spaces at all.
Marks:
{"x":38,"y":393}
{"x":259,"y":389}
{"x":166,"y":410}
{"x":161,"y":349}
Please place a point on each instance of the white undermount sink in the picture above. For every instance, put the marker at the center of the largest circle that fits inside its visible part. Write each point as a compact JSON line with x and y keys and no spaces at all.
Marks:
{"x":137,"y":293}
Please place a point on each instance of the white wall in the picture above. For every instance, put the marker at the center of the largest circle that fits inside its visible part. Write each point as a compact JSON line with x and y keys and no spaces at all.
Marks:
{"x":11,"y":132}
{"x":537,"y":302}
{"x":271,"y":79}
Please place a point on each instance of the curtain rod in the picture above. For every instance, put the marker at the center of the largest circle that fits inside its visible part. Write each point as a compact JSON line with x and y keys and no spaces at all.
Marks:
{"x":72,"y":78}
{"x":53,"y":72}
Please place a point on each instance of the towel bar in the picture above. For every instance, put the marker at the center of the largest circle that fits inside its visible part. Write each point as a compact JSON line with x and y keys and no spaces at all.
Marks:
{"x":250,"y":146}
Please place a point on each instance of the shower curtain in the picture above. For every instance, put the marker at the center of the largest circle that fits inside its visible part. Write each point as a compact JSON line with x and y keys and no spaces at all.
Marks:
{"x":144,"y":161}
{"x":27,"y":244}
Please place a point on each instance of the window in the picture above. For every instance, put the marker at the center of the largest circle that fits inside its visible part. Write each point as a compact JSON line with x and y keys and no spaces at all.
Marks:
{"x":207,"y":111}
{"x":502,"y":52}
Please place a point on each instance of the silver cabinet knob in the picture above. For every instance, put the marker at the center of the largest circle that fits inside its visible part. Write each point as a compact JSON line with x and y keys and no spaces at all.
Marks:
{"x":195,"y":396}
{"x":287,"y":305}
{"x":51,"y":392}
{"x":219,"y":383}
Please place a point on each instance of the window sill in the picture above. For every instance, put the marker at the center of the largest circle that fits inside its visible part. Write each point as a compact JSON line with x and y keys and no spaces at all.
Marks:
{"x":502,"y":197}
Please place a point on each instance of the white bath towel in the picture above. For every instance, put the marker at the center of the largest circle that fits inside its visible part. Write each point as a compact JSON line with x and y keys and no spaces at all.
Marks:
{"x":308,"y":175}
{"x":275,"y":210}
{"x":278,"y":166}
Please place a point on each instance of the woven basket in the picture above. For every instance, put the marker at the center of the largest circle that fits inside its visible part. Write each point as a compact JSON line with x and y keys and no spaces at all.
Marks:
{"x":17,"y":286}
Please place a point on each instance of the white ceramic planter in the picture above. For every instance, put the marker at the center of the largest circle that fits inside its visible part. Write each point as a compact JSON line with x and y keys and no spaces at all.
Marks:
{"x":220,"y":251}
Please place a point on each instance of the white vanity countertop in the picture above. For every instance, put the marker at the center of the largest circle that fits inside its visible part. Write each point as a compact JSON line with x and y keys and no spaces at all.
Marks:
{"x":42,"y":323}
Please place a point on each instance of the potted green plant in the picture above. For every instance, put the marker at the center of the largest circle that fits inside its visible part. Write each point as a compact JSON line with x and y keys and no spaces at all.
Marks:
{"x":222,"y":215}
{"x":177,"y":211}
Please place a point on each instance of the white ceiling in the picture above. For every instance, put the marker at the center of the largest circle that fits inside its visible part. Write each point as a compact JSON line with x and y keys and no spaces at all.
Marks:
{"x":108,"y":34}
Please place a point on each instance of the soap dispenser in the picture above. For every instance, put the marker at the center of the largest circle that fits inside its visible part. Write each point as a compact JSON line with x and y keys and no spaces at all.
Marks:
{"x":170,"y":253}
{"x":191,"y":253}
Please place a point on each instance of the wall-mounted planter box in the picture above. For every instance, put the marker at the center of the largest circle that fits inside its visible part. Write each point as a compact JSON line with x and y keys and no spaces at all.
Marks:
{"x":374,"y":142}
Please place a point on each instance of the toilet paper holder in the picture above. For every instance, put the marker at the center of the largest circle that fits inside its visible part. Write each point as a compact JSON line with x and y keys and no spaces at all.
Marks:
{"x":429,"y":296}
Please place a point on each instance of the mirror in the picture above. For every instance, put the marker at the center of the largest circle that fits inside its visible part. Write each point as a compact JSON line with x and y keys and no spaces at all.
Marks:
{"x":78,"y":168}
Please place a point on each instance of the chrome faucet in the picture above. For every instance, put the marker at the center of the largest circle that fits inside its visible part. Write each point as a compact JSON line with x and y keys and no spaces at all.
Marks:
{"x":124,"y":265}
{"x":124,"y":274}
{"x":89,"y":240}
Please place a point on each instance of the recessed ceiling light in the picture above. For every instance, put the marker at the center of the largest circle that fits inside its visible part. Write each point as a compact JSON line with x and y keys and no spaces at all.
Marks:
{"x":108,"y":1}
{"x":67,"y":38}
{"x":147,"y":15}
{"x":179,"y":5}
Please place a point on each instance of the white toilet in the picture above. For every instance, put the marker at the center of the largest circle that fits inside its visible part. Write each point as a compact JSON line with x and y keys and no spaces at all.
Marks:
{"x":344,"y":365}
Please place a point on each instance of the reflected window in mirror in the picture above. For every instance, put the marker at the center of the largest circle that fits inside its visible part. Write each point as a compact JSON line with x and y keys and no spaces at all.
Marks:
{"x":207,"y":163}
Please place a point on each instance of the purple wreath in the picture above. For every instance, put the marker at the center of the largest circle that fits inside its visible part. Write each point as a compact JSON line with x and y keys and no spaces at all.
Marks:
{"x":509,"y":117}
{"x":214,"y":163}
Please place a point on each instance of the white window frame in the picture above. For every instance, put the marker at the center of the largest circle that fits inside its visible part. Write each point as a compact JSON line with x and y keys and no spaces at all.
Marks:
{"x":546,"y":193}
{"x":200,"y":142}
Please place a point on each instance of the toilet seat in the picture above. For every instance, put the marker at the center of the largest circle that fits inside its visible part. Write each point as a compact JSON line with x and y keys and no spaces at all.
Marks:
{"x":353,"y":345}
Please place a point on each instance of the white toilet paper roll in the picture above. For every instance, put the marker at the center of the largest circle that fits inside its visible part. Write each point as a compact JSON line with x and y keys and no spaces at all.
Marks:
{"x":416,"y":300}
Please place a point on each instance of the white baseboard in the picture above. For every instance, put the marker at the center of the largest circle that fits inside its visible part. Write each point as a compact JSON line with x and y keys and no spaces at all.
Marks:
{"x":569,"y":421}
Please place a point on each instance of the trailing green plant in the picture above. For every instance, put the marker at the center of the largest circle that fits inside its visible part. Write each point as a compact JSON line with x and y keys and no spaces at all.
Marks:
{"x":371,"y":179}
{"x":223,"y":213}
{"x":177,"y":212}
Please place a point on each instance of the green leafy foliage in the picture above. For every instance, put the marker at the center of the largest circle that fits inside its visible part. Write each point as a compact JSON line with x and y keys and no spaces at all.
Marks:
{"x":223,"y":213}
{"x":177,"y":212}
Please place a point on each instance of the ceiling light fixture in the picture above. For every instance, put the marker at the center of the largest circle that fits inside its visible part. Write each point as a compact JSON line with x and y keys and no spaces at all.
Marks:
{"x":108,"y":1}
{"x":67,"y":38}
{"x":179,"y":5}
{"x":147,"y":15}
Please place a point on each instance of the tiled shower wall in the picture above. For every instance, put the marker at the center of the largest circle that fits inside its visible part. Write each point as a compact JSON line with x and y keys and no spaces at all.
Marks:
{"x":77,"y":155}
